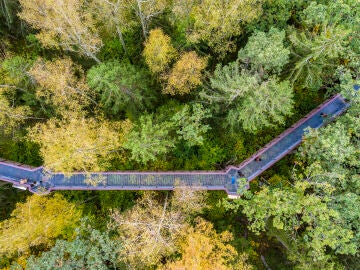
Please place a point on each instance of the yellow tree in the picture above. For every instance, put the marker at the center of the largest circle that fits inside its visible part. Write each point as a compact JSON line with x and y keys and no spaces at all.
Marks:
{"x":14,"y":80}
{"x":158,"y":51}
{"x":62,"y":84}
{"x":217,"y":22}
{"x":78,"y":143}
{"x":185,"y":75}
{"x":63,"y":24}
{"x":11,"y":117}
{"x":203,"y":248}
{"x":38,"y":221}
{"x":150,"y":230}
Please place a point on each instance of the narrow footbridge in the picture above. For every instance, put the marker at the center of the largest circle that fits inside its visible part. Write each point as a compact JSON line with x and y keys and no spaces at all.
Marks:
{"x":38,"y":180}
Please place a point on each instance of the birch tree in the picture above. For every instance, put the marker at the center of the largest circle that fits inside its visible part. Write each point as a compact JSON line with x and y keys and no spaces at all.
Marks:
{"x":150,"y":230}
{"x":146,"y":10}
{"x":217,"y":22}
{"x":115,"y":16}
{"x":11,"y":117}
{"x":63,"y":24}
{"x":61,"y":83}
{"x":78,"y":143}
{"x":8,"y":10}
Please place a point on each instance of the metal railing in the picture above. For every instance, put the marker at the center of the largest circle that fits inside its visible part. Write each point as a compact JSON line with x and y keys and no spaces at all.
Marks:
{"x":38,"y":180}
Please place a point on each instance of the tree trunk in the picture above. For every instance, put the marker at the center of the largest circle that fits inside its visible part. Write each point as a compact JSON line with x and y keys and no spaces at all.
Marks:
{"x":142,"y":21}
{"x":121,"y":38}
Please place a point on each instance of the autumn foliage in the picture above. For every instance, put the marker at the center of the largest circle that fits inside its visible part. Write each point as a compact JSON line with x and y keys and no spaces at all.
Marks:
{"x":185,"y":75}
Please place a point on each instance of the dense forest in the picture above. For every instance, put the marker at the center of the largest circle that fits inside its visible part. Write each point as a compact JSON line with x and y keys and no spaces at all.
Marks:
{"x":111,"y":85}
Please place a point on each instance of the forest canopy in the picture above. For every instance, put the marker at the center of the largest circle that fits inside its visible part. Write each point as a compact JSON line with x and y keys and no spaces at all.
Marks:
{"x":160,"y":85}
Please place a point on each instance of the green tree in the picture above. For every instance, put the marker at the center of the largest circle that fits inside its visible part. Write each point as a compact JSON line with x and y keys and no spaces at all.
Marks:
{"x":250,"y":100}
{"x":16,"y":85}
{"x":266,"y":51}
{"x":120,"y":85}
{"x":266,"y":106}
{"x":316,"y":56}
{"x":91,"y":249}
{"x":38,"y":221}
{"x":249,"y":89}
{"x":229,"y":83}
{"x":11,"y":117}
{"x":277,"y":13}
{"x":189,"y":126}
{"x":15,"y":74}
{"x":301,"y":221}
{"x":326,"y":42}
{"x":149,"y":139}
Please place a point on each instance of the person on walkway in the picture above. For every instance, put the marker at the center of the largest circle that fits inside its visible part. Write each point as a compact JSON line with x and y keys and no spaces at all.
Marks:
{"x":323,"y":115}
{"x":23,"y":181}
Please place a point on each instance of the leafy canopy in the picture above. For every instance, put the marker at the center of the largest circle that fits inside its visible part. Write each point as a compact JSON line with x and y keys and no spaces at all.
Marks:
{"x":203,"y":248}
{"x":185,"y":75}
{"x":38,"y":221}
{"x":217,"y":22}
{"x":250,"y":100}
{"x":91,"y":249}
{"x":266,"y":51}
{"x":188,"y":122}
{"x":63,"y":24}
{"x":78,"y":143}
{"x":158,"y":51}
{"x":149,"y":139}
{"x":61,"y":84}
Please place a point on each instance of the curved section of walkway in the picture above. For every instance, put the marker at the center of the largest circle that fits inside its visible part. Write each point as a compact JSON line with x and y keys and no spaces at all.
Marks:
{"x":37,"y":180}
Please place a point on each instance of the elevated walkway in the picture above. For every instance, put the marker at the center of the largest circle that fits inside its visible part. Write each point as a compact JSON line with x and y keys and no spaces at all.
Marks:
{"x":37,"y":180}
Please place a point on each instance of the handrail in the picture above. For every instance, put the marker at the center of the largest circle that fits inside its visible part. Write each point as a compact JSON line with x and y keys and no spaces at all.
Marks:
{"x":40,"y":181}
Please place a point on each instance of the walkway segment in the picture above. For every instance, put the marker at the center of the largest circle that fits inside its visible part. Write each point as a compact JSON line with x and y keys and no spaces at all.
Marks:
{"x":37,"y":180}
